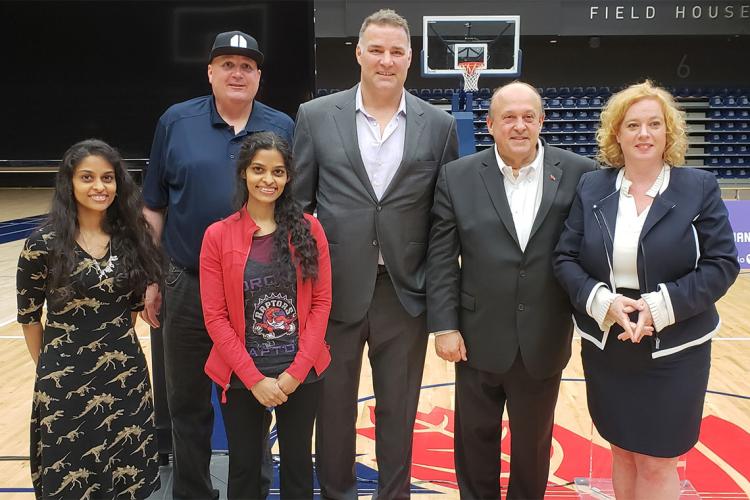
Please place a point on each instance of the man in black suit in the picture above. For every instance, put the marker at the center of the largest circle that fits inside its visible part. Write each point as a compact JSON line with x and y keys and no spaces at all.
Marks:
{"x":368,"y":158}
{"x":500,"y":314}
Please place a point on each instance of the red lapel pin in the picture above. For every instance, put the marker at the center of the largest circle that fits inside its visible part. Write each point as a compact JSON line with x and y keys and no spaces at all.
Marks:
{"x":552,"y":177}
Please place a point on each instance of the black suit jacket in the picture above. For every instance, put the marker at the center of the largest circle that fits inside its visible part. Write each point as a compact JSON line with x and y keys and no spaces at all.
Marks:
{"x":502,"y":299}
{"x":332,"y":179}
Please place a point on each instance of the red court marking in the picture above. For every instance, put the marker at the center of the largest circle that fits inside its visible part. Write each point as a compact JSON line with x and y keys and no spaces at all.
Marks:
{"x":432,"y":459}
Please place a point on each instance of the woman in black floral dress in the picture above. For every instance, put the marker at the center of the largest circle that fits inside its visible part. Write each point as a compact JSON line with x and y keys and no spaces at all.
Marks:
{"x":92,"y":421}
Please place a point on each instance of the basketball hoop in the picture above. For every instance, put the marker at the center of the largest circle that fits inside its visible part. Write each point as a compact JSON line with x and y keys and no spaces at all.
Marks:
{"x":471,"y":71}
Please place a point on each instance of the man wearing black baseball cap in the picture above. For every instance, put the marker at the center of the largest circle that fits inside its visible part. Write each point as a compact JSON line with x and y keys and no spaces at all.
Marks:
{"x":189,"y":184}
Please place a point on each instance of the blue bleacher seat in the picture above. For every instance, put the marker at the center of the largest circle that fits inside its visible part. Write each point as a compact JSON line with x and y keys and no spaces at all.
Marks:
{"x":581,"y":150}
{"x":582,"y":126}
{"x":582,"y":102}
{"x":425,"y":94}
{"x":437,"y":93}
{"x":604,"y":92}
{"x":554,"y":127}
{"x":590,"y":92}
{"x":743,"y":101}
{"x":569,"y":115}
{"x":554,"y":103}
{"x":554,"y":139}
{"x":554,"y":115}
{"x":485,"y":93}
{"x":596,"y":102}
{"x":595,"y":114}
{"x":715,"y":114}
{"x":568,"y":127}
{"x":563,"y":92}
{"x":730,"y":101}
{"x":582,"y":138}
{"x":550,"y":92}
{"x":713,"y":162}
{"x":716,"y":101}
{"x":414,"y":92}
{"x":569,"y":103}
{"x":577,"y":92}
{"x":582,"y":115}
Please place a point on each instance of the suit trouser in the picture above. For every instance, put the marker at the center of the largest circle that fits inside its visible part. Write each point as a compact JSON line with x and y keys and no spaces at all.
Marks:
{"x":247,"y":433}
{"x":396,"y":348}
{"x":480,"y":397}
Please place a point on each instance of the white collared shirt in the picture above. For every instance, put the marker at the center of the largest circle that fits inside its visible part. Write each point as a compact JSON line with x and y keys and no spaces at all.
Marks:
{"x":524,"y":193}
{"x":628,"y":230}
{"x":381,"y":153}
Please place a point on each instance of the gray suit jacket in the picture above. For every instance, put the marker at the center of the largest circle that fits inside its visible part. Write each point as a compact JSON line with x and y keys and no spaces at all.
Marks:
{"x":502,"y":299}
{"x":332,"y":179}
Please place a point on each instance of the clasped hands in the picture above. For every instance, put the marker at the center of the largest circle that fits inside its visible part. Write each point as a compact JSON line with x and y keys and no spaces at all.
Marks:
{"x":619,"y":312}
{"x":274,"y":391}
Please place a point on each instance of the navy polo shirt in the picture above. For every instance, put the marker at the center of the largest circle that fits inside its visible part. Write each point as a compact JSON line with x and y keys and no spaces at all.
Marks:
{"x":191,"y":172}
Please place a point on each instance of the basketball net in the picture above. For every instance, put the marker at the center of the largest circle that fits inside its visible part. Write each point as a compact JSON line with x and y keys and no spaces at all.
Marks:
{"x":471,"y":71}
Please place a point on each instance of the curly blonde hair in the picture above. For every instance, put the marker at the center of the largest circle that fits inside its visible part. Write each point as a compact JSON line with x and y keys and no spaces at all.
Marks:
{"x":614,"y":112}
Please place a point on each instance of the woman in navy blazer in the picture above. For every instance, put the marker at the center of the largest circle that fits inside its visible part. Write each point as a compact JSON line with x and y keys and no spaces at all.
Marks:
{"x":646,"y":252}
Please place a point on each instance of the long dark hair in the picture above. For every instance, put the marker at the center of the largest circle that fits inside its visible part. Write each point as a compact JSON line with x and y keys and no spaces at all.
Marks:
{"x":130,"y":234}
{"x":291,"y":225}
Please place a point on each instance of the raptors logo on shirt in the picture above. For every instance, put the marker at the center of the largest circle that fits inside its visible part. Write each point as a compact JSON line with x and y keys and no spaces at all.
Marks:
{"x":274,"y":316}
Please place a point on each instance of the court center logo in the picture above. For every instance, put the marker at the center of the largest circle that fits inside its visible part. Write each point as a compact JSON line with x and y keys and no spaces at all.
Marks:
{"x":717,"y":463}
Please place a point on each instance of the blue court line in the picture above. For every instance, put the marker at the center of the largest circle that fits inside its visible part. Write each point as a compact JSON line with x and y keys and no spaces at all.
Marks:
{"x":18,"y":229}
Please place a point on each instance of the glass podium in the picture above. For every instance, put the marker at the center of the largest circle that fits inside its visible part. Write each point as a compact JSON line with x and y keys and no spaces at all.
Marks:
{"x":597,"y":484}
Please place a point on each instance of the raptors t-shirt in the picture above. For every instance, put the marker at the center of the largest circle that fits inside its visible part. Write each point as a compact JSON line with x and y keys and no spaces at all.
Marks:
{"x":271,"y":325}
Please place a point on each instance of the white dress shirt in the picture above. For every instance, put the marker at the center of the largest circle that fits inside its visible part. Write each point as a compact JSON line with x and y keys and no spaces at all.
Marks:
{"x":380,"y":153}
{"x":524,"y":193}
{"x":625,"y":257}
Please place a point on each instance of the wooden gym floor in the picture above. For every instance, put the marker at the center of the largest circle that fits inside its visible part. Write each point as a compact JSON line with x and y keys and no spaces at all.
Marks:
{"x":718,"y":467}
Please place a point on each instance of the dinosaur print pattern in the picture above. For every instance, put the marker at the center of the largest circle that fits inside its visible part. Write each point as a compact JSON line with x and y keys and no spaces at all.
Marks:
{"x":92,"y":419}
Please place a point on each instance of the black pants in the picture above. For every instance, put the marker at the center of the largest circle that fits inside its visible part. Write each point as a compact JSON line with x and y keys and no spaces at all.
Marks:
{"x":186,"y":348}
{"x":247,"y":427}
{"x":480,"y":397}
{"x":396,"y":348}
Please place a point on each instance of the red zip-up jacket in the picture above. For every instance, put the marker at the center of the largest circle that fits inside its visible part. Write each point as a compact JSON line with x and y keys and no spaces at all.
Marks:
{"x":224,"y":253}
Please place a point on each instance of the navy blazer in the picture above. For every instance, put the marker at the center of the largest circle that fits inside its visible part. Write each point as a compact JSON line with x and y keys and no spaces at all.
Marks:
{"x":686,"y":247}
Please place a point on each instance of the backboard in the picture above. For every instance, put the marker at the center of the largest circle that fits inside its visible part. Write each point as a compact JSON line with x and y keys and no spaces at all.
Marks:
{"x":449,"y":40}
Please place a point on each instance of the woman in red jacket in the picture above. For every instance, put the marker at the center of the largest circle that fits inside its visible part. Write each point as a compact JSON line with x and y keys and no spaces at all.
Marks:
{"x":265,"y":277}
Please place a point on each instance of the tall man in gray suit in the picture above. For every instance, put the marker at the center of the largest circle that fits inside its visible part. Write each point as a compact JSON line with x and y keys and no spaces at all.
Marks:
{"x":368,"y":159}
{"x":501,"y":315}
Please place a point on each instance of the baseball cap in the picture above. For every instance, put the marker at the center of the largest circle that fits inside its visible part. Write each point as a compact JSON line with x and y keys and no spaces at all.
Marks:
{"x":236,"y":43}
